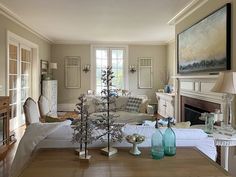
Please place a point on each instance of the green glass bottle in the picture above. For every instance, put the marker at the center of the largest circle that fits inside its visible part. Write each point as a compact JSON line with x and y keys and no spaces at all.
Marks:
{"x":157,"y":149}
{"x":169,"y":141}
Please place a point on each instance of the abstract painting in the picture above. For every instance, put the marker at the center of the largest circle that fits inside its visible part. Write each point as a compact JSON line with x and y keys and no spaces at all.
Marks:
{"x":205,"y":46}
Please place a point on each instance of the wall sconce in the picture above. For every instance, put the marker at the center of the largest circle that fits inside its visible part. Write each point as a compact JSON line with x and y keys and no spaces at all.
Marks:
{"x":86,"y":68}
{"x":132,"y":68}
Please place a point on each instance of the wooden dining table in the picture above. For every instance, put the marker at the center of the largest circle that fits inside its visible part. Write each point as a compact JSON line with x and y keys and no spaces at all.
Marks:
{"x":188,"y":162}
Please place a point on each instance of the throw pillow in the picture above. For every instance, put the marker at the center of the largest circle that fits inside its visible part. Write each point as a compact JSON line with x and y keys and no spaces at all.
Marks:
{"x":133,"y":104}
{"x":121,"y":103}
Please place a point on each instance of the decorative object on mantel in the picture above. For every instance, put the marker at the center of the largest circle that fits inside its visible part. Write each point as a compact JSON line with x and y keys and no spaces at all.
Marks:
{"x":83,"y":129}
{"x":169,"y":140}
{"x":86,"y":68}
{"x":135,"y":139}
{"x":157,"y":146}
{"x":105,"y":121}
{"x":132,"y":68}
{"x":198,"y":59}
{"x":226,"y":83}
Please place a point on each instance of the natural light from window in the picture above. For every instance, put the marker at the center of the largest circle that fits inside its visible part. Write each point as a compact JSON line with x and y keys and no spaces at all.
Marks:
{"x":110,"y":57}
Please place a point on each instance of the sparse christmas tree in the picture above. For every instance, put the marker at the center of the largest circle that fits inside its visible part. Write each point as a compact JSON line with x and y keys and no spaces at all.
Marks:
{"x":105,"y":121}
{"x":83,"y":129}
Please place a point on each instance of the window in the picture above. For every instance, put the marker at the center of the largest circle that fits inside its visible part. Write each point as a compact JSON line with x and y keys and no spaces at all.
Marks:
{"x":110,"y":56}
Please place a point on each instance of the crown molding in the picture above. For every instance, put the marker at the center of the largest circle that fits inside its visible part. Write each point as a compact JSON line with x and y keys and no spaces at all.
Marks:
{"x":171,"y":41}
{"x":15,"y":18}
{"x":186,"y":11}
{"x":112,"y":42}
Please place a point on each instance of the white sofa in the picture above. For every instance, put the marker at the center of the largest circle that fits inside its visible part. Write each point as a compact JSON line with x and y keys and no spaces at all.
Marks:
{"x":119,"y":108}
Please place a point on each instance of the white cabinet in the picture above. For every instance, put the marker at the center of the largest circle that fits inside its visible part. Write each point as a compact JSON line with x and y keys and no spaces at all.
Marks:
{"x":49,"y":90}
{"x":166,"y":103}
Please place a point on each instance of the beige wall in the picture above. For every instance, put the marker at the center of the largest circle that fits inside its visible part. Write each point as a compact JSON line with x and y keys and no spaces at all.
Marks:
{"x":171,"y":65}
{"x":5,"y":25}
{"x":158,"y":54}
{"x":59,"y":52}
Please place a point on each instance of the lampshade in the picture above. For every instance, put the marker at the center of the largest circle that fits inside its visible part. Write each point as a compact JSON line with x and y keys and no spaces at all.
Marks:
{"x":53,"y":65}
{"x":226,"y":83}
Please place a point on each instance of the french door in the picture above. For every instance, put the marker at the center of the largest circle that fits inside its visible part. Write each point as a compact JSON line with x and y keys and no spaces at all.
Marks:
{"x":114,"y":57}
{"x":19,"y":79}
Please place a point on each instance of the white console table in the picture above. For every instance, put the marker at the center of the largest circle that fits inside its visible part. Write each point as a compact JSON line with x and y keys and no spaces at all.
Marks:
{"x":166,"y":102}
{"x":226,"y":142}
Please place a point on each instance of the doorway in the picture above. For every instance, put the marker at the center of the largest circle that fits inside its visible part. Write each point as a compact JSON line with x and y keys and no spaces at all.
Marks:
{"x":22,"y":60}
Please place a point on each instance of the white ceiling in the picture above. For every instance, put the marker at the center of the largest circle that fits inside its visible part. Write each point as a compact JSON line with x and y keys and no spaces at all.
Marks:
{"x":76,"y":21}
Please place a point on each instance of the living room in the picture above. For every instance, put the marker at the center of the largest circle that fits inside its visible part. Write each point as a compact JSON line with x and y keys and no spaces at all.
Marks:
{"x":93,"y":35}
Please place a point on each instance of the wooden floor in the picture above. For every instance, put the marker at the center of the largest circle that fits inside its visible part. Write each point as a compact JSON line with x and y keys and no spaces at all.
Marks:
{"x":5,"y":164}
{"x":188,"y":162}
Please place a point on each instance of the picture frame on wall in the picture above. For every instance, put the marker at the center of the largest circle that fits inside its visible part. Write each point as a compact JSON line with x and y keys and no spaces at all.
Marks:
{"x":206,"y":45}
{"x":44,"y":67}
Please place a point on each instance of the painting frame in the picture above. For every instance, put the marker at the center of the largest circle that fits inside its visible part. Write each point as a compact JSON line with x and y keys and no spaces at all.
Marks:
{"x":191,"y":65}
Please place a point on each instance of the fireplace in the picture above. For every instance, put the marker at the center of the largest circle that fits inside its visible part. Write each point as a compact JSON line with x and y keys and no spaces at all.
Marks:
{"x":192,"y":108}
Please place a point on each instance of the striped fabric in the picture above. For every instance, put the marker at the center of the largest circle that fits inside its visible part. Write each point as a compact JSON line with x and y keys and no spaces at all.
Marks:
{"x":133,"y":104}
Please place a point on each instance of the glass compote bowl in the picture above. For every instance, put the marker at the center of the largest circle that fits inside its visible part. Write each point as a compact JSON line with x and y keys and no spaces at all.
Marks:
{"x":135,"y":139}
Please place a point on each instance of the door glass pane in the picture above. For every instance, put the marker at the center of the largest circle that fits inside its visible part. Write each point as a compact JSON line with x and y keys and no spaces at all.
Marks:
{"x":13,"y":110}
{"x":12,"y":81}
{"x":25,"y":76}
{"x":101,"y":64}
{"x":24,"y":94}
{"x":12,"y":67}
{"x":13,"y":96}
{"x":25,"y":68}
{"x":13,"y":52}
{"x":117,"y":67}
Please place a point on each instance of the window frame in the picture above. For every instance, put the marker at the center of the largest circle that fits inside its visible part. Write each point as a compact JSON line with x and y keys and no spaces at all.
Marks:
{"x":109,"y":48}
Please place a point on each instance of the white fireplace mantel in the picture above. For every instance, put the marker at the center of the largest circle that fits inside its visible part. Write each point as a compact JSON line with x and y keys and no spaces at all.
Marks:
{"x":198,"y":87}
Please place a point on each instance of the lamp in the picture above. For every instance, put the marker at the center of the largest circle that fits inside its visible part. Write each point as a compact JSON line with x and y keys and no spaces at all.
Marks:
{"x":86,"y":68}
{"x":132,"y":68}
{"x":226,"y":83}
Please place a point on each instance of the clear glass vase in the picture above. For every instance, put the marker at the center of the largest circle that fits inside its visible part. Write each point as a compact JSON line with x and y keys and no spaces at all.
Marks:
{"x":169,"y":141}
{"x":157,"y":149}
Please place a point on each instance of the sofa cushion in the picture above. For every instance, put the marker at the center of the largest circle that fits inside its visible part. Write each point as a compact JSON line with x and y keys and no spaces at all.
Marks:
{"x":121,"y":103}
{"x":133,"y":104}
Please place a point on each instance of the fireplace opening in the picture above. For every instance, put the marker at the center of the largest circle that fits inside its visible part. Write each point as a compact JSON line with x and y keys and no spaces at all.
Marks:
{"x":191,"y":109}
{"x":192,"y":114}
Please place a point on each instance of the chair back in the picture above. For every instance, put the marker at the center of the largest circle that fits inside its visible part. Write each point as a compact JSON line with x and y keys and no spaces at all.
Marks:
{"x":43,"y":106}
{"x":31,"y":111}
